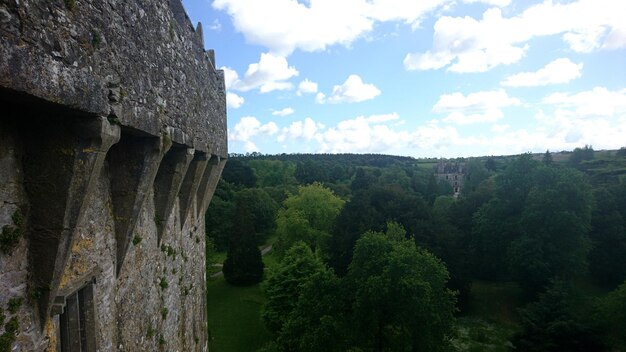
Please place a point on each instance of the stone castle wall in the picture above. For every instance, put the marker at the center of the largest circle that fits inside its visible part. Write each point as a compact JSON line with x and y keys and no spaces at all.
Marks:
{"x":112,"y":140}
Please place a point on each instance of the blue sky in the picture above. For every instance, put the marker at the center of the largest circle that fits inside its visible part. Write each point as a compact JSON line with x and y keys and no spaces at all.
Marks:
{"x":427,"y":78}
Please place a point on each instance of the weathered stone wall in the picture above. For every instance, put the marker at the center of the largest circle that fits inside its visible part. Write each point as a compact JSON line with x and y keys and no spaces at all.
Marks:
{"x":138,"y":60}
{"x":112,"y":141}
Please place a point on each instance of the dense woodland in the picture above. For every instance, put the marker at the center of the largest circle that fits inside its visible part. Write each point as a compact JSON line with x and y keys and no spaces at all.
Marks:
{"x":375,"y":254}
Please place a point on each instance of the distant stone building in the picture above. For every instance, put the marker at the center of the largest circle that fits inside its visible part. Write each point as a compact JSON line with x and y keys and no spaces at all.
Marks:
{"x":112,"y":141}
{"x":453,"y":173}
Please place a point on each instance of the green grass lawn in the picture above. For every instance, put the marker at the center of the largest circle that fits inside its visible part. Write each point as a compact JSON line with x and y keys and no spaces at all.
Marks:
{"x":234,"y":317}
{"x":234,"y":314}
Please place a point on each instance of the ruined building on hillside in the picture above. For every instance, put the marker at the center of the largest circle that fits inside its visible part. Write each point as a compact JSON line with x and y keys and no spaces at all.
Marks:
{"x":112,"y":140}
{"x":453,"y":173}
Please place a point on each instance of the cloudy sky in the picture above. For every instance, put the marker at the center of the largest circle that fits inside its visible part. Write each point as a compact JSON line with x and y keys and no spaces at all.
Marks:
{"x":427,"y":78}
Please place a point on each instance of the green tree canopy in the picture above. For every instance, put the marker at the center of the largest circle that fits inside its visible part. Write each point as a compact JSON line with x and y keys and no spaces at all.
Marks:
{"x":243,"y":264}
{"x":307,"y":216}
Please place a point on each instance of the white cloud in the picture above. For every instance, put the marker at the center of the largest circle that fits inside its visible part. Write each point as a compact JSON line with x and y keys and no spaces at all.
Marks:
{"x":500,"y":128}
{"x":250,"y":126}
{"x":269,"y":74}
{"x":556,"y":72}
{"x":592,"y":103}
{"x":250,"y":147}
{"x":216,"y":25}
{"x":383,"y":118}
{"x":485,"y":106}
{"x":286,"y":25}
{"x":353,"y":90}
{"x":320,"y":98}
{"x":283,"y":112}
{"x":464,"y":44}
{"x":233,"y":100}
{"x":300,"y":130}
{"x":500,"y":3}
{"x":306,"y":87}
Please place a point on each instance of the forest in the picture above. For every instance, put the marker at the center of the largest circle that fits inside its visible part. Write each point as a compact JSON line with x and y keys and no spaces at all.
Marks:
{"x":376,"y":253}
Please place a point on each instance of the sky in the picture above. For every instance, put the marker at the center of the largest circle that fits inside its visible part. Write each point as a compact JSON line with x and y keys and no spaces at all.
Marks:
{"x":421,"y":78}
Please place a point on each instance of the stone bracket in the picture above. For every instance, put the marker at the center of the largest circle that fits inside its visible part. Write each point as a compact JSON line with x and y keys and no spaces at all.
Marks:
{"x":133,"y":164}
{"x":63,"y":160}
{"x":190,"y":185}
{"x":167,"y":183}
{"x":209,"y":181}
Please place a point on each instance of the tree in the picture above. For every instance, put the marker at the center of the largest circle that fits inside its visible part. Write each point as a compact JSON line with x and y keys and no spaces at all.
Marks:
{"x":394,"y":298}
{"x":400,"y":302}
{"x":307,"y":216}
{"x":243,"y":264}
{"x":218,"y":222}
{"x":581,"y":154}
{"x":608,"y":236}
{"x":547,"y":158}
{"x":284,"y":285}
{"x":611,"y":318}
{"x":262,"y":210}
{"x":371,"y":209}
{"x":555,"y":223}
{"x":558,"y":321}
{"x":238,"y":173}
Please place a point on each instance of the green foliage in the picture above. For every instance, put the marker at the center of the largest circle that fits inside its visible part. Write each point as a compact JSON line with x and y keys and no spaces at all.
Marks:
{"x":475,"y":174}
{"x":557,"y":322}
{"x":12,"y":235}
{"x":611,"y":318}
{"x":96,"y":38}
{"x":14,"y":304}
{"x":168,"y":250}
{"x":273,"y":172}
{"x":70,"y":4}
{"x":608,"y":236}
{"x":393,"y":298}
{"x":371,"y":209}
{"x":164,"y":312}
{"x":150,"y":332}
{"x":163,"y":283}
{"x":555,"y":223}
{"x":239,"y":173}
{"x":136,"y":240}
{"x":263,"y":211}
{"x":10,"y":333}
{"x":2,"y":316}
{"x":400,"y":297}
{"x":581,"y":154}
{"x":218,"y":221}
{"x":284,"y":285}
{"x":243,"y":264}
{"x":547,"y":158}
{"x":307,"y":216}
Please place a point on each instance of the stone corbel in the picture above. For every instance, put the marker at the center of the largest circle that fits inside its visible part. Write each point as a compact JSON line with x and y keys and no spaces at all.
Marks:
{"x":190,"y":185}
{"x":62,"y":163}
{"x":167,"y":183}
{"x":209,"y":181}
{"x":133,"y":163}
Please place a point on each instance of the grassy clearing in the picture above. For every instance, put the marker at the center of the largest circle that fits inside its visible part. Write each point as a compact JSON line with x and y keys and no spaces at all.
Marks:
{"x":234,"y":313}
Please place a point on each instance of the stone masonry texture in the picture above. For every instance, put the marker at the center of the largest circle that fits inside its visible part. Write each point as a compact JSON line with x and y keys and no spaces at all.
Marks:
{"x":112,"y":140}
